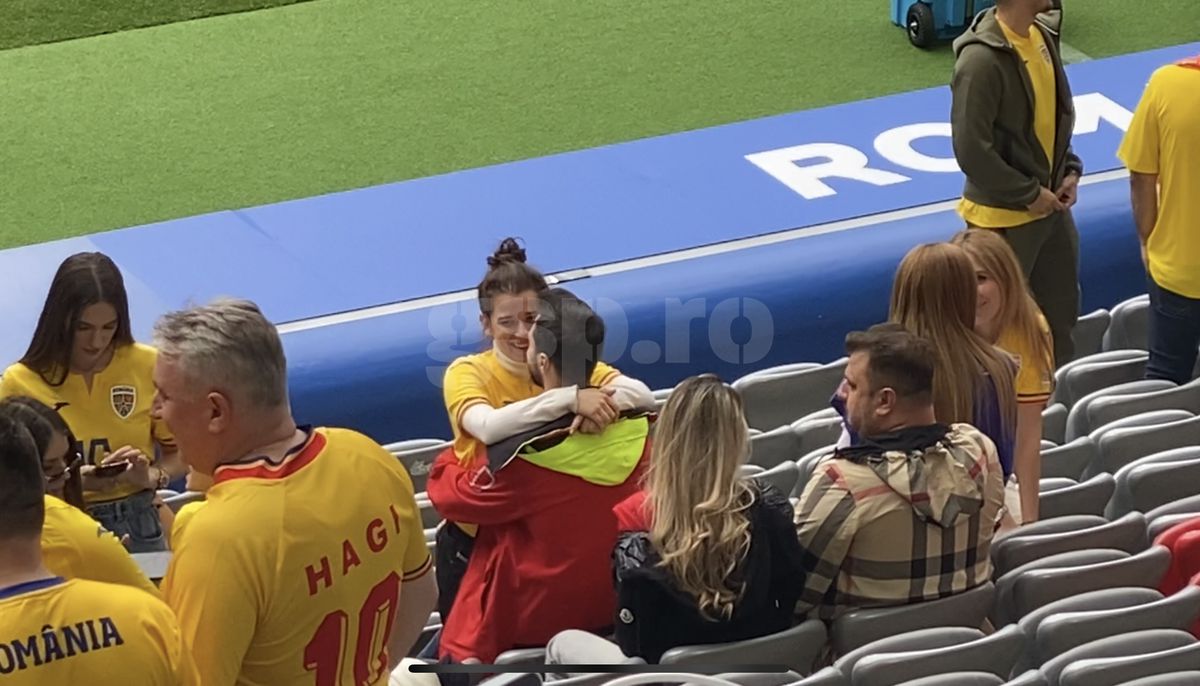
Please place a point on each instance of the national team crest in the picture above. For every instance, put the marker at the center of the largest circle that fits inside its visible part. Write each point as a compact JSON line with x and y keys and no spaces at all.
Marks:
{"x":124,"y":398}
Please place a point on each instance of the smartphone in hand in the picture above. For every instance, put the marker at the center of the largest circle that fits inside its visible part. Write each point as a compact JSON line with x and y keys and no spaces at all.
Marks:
{"x":114,"y":469}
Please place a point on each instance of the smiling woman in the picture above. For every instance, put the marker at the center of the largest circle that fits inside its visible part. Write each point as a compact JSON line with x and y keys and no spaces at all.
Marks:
{"x":83,"y":362}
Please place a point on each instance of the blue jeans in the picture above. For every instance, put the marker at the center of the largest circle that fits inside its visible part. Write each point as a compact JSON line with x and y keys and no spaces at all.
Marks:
{"x":1174,"y":335}
{"x":134,"y":516}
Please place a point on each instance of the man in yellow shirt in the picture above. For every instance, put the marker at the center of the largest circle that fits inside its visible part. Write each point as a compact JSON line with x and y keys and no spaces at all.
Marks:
{"x":55,"y":631}
{"x":1162,"y":151}
{"x":291,"y":573}
{"x":1012,"y":139}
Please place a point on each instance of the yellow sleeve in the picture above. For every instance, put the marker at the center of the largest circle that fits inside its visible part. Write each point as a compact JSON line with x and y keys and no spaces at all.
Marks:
{"x":210,"y":585}
{"x":1139,"y":149}
{"x":77,"y":547}
{"x":10,"y":383}
{"x":415,"y":561}
{"x":603,"y":374}
{"x":163,"y":627}
{"x":462,"y":387}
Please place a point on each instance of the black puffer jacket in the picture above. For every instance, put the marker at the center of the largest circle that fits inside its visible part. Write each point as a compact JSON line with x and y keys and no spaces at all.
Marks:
{"x":653,"y":615}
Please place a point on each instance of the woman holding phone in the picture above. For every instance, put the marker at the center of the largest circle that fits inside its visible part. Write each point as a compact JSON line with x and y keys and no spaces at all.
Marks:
{"x":84,"y":363}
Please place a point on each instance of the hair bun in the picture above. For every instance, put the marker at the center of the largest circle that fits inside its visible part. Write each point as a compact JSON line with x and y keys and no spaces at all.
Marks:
{"x":509,"y":251}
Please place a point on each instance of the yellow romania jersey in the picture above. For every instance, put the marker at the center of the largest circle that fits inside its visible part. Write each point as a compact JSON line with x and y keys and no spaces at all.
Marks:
{"x":75,"y":546}
{"x":1035,"y":378}
{"x":56,"y":631}
{"x":114,"y":413}
{"x":485,"y":378}
{"x":290,"y":573}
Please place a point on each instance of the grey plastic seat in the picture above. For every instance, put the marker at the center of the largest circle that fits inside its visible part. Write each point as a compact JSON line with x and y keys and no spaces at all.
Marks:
{"x":1134,"y":643}
{"x":1040,"y":587}
{"x":1089,"y":378}
{"x":1054,"y":423}
{"x":1079,"y":418}
{"x":797,"y":648}
{"x":957,"y":679}
{"x":994,"y":654}
{"x":1129,"y":328}
{"x":1087,"y":498}
{"x":783,"y":477}
{"x":1088,"y":334}
{"x":812,"y":434}
{"x":760,"y":679}
{"x":176,"y":502}
{"x":774,"y":447}
{"x":1191,"y":678}
{"x":1034,"y":653}
{"x":1054,"y":483}
{"x":419,"y":460}
{"x":1068,"y":460}
{"x":1065,"y":631}
{"x":1119,"y":447}
{"x":1112,"y":407}
{"x":1155,"y":480}
{"x":1062,"y":394}
{"x":1162,"y":524}
{"x":429,"y":514}
{"x":826,"y":677}
{"x":861,"y":627}
{"x":412,"y":444}
{"x":660,"y":397}
{"x":1152,"y":418}
{"x":773,"y":398}
{"x":1186,"y":505}
{"x":1029,"y":678}
{"x":922,"y":639}
{"x":1127,"y":534}
{"x":1112,"y":671}
{"x":1004,"y":611}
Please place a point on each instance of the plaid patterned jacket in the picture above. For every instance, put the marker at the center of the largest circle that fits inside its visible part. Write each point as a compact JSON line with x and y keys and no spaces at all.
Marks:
{"x":902,"y":518}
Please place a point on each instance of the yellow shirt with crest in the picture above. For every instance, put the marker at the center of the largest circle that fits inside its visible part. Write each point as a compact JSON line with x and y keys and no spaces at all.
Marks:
{"x":75,"y":546}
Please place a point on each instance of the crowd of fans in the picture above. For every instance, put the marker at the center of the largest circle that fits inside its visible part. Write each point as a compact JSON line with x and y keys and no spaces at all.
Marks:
{"x":576,"y":516}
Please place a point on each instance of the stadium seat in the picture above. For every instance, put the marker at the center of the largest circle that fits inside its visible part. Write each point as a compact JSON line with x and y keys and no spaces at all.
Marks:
{"x":778,"y":396}
{"x":1034,"y":653}
{"x":1172,"y":679}
{"x":815,"y":433}
{"x":1127,"y":534}
{"x":153,"y":565}
{"x":1087,"y":498}
{"x":1062,"y":394}
{"x":783,"y":477}
{"x":1114,"y":671}
{"x":418,"y":460}
{"x":1068,"y":460}
{"x":1188,"y":505}
{"x":1088,"y":334}
{"x":1155,"y":480}
{"x":1065,"y":631}
{"x":1122,"y":645}
{"x":826,"y":677}
{"x":957,"y":679}
{"x":860,"y":627}
{"x":1079,"y":419}
{"x":1054,"y":423}
{"x":775,"y":446}
{"x":922,"y":639}
{"x":994,"y":654}
{"x":1164,"y":523}
{"x":1110,"y":408}
{"x":760,"y":678}
{"x":1129,"y":328}
{"x":797,"y":648}
{"x":1121,"y":446}
{"x":176,"y":502}
{"x":1029,"y":678}
{"x":660,"y":398}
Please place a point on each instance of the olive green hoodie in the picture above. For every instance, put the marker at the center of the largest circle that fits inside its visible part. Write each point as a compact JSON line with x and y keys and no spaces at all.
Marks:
{"x":993,"y":117}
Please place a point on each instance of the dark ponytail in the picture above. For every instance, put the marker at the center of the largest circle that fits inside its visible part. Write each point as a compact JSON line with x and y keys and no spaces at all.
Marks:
{"x":508,"y":274}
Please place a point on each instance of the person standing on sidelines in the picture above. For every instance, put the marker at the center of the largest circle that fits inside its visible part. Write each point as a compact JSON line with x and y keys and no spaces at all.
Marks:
{"x":1012,"y":121}
{"x":291,"y":573}
{"x":1162,"y":151}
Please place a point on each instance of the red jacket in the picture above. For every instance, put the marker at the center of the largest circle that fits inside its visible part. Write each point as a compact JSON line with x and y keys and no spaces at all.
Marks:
{"x":541,"y":562}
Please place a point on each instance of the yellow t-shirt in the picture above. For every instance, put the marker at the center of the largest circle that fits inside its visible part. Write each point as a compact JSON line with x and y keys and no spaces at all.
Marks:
{"x":75,"y":546}
{"x":1164,"y":139}
{"x":1040,"y":67}
{"x":1035,"y":378}
{"x":113,"y":414}
{"x":290,"y":573}
{"x":486,"y":379}
{"x":182,"y":519}
{"x":98,"y":634}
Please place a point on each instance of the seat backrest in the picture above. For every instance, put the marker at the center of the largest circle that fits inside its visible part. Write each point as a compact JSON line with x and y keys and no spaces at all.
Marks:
{"x":860,"y":627}
{"x":782,"y":476}
{"x":994,"y":654}
{"x":412,"y":444}
{"x":816,"y":433}
{"x":1152,"y":485}
{"x":1068,"y":460}
{"x":1115,"y":671}
{"x":1054,"y":423}
{"x":1183,"y":505}
{"x":1088,"y":334}
{"x":1123,"y":499}
{"x":1004,"y":611}
{"x":1086,"y":379}
{"x":826,"y":677}
{"x":1079,"y":419}
{"x":176,"y":502}
{"x":418,"y":462}
{"x":1112,"y":407}
{"x":1133,"y":643}
{"x":1028,"y":678}
{"x":1172,"y":679}
{"x":1039,"y":587}
{"x":773,"y":397}
{"x":1159,"y":525}
{"x":1127,"y":534}
{"x":1087,"y":498}
{"x":1034,"y":654}
{"x":1152,"y":418}
{"x":957,"y":679}
{"x":773,"y":447}
{"x":922,"y":639}
{"x":1129,"y":326}
{"x":1061,"y":395}
{"x":796,"y":648}
{"x":1119,"y":447}
{"x":1067,"y":630}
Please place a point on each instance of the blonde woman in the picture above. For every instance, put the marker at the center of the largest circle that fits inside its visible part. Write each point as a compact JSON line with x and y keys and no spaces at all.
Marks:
{"x":704,"y":556}
{"x":1007,"y":316}
{"x":933,"y":296}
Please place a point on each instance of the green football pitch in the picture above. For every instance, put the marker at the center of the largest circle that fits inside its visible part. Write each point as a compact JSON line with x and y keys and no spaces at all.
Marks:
{"x":122,"y":112}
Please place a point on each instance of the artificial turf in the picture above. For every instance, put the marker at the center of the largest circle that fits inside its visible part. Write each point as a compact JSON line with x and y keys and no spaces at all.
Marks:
{"x":255,"y":107}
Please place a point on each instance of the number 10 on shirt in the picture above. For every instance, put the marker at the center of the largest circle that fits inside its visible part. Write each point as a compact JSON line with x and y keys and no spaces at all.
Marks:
{"x":326,"y":652}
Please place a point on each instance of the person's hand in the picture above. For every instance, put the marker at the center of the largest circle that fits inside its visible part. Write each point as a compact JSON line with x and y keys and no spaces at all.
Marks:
{"x":1068,"y":192}
{"x":595,"y":405}
{"x":1046,"y":203}
{"x":91,"y":482}
{"x":138,"y":472}
{"x":586,"y":426}
{"x":1145,"y":258}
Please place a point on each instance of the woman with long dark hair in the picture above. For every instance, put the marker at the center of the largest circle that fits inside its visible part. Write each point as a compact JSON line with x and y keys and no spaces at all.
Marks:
{"x":84,"y":363}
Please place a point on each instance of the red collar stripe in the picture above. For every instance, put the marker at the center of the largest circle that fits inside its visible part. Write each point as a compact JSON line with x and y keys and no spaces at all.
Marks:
{"x":265,"y":469}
